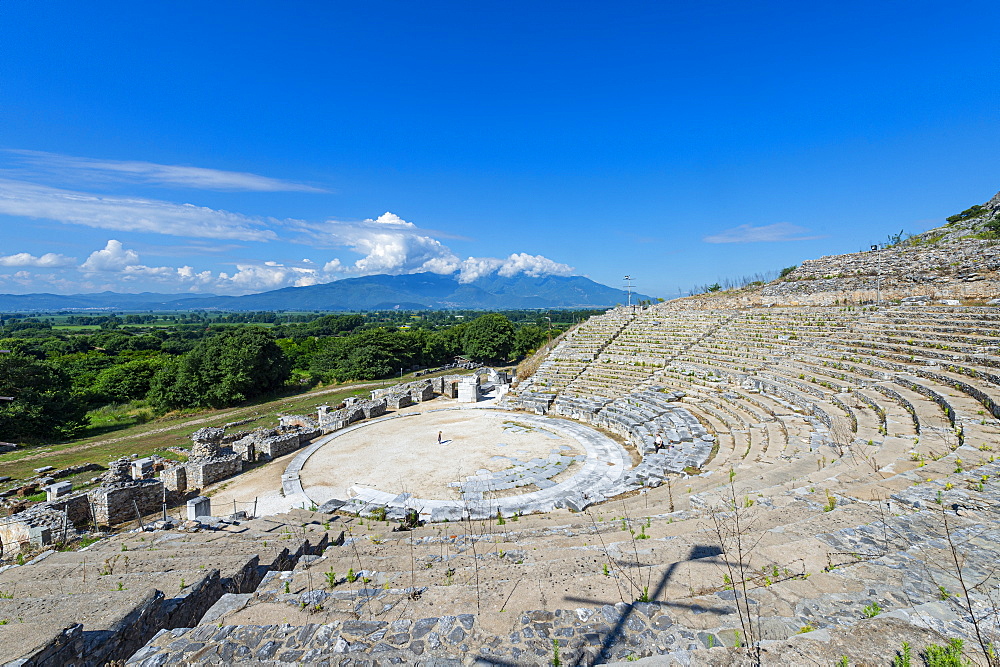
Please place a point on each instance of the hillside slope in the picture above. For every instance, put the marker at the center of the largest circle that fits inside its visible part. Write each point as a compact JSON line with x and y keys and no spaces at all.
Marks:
{"x":959,"y":260}
{"x":956,"y":261}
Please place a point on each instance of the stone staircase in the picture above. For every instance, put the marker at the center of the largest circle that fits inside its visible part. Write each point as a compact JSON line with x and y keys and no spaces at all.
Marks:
{"x":489,"y":593}
{"x":104,"y":602}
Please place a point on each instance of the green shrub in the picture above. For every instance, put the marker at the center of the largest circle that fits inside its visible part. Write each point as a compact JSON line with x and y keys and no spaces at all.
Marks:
{"x":945,"y":656}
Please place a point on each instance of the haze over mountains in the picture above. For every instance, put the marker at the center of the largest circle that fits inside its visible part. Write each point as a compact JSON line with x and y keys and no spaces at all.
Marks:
{"x":378,"y":292}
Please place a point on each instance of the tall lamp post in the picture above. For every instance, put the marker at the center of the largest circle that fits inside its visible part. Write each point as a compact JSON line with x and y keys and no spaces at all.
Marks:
{"x":878,"y":276}
{"x":628,"y":286}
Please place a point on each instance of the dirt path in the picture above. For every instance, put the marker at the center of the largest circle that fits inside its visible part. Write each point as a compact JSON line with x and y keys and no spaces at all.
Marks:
{"x":234,"y":412}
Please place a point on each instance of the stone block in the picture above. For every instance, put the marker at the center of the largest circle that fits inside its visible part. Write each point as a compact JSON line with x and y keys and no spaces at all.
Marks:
{"x":372,"y":409}
{"x":201,"y":473}
{"x":142,"y":468}
{"x":397,"y":401}
{"x":58,"y":490}
{"x":424,"y":392}
{"x":246,"y":448}
{"x":468,"y":390}
{"x":175,"y":479}
{"x":39,"y":536}
{"x":197,"y":507}
{"x":279,"y":445}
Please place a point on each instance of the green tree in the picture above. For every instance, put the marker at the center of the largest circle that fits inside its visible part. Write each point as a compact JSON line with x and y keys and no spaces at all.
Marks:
{"x":489,"y":337}
{"x":228,"y":368}
{"x":44,"y":406}
{"x":83,"y":367}
{"x":367,"y":355}
{"x":527,"y":339}
{"x":375,"y":353}
{"x":125,"y":382}
{"x":434,"y":349}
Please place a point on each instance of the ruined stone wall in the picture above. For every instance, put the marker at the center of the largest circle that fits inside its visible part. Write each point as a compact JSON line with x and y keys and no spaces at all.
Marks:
{"x":77,"y":509}
{"x":200,"y":473}
{"x":38,"y":525}
{"x":372,"y":409}
{"x":397,"y":401}
{"x":423,"y":391}
{"x":278,"y":445}
{"x":117,"y":504}
{"x":13,"y":533}
{"x":205,"y":442}
{"x":287,"y":422}
{"x":175,"y":479}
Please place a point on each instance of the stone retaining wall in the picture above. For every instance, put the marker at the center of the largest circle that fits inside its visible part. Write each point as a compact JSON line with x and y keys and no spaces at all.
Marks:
{"x":203,"y":472}
{"x":117,"y":504}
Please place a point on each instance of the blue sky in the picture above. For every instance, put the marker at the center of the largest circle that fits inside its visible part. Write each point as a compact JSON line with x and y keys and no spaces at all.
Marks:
{"x":232,"y":147}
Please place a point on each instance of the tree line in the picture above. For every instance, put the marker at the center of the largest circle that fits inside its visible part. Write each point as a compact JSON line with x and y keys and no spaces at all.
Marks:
{"x":57,"y":379}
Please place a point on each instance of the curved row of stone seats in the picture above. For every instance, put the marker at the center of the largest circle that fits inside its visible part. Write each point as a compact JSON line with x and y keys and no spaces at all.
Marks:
{"x":884,"y":401}
{"x":979,"y":380}
{"x":790,"y":393}
{"x":806,"y":336}
{"x":728,"y":402}
{"x":640,"y":417}
{"x":653,"y":337}
{"x":774,"y":445}
{"x":614,"y":360}
{"x":533,"y":401}
{"x":905,"y":392}
{"x":729,"y":426}
{"x":874,"y":371}
{"x":855,"y":378}
{"x":575,"y":351}
{"x":965,"y":410}
{"x":791,"y":355}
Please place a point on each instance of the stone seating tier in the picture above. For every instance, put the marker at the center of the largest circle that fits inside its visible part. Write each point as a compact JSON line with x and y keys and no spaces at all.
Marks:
{"x":812,"y":581}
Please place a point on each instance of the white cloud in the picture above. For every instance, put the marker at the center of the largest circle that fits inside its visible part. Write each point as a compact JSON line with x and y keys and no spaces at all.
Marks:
{"x":188,"y":274}
{"x":388,"y":244}
{"x":125,"y":264}
{"x":158,"y":174}
{"x":779,"y":231}
{"x":532,"y":265}
{"x":388,"y":219}
{"x":114,"y":257}
{"x":477,"y":267}
{"x":131,"y":214}
{"x":49,"y":260}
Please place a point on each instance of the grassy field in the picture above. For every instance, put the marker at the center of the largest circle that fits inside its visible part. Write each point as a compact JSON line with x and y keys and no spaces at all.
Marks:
{"x":171,"y":430}
{"x":154,"y":437}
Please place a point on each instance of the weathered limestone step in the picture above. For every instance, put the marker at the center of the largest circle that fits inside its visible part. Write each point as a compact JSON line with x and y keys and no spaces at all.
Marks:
{"x":162,"y":579}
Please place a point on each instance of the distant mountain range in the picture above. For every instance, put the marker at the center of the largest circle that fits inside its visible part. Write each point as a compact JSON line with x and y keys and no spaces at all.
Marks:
{"x":419,"y":291}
